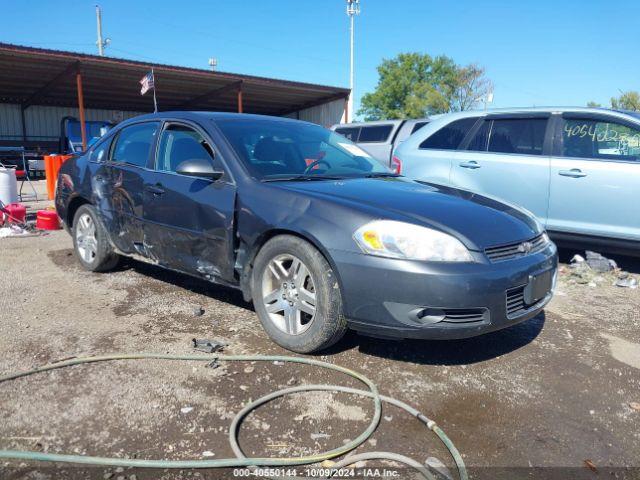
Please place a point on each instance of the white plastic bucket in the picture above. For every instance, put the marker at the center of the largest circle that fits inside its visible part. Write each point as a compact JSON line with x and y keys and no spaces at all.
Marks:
{"x":8,"y":186}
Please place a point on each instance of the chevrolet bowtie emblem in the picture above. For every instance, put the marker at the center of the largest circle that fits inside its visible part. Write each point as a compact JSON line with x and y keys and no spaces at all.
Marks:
{"x":525,"y":247}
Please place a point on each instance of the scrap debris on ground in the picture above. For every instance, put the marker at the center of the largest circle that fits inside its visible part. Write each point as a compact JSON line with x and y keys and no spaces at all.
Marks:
{"x":596,"y":269}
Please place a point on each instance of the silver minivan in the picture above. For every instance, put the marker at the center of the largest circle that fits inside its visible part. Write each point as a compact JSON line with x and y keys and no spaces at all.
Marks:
{"x":380,"y":138}
{"x":577,"y":169}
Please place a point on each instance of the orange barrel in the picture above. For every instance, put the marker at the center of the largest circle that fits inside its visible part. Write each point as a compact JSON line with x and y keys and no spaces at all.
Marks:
{"x":47,"y":220}
{"x":52,"y":164}
{"x":50,"y":178}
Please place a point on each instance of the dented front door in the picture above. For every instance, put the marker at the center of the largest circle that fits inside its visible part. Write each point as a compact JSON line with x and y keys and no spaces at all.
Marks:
{"x":188,"y":220}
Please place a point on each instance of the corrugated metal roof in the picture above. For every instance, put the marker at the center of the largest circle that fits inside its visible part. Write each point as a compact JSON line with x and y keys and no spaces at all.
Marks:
{"x":47,"y":77}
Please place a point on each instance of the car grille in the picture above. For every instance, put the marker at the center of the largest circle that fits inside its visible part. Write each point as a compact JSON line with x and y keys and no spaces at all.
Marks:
{"x":465,"y":315}
{"x":516,"y":250}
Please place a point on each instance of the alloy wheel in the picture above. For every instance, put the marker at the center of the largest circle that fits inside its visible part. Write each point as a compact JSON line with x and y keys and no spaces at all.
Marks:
{"x":86,"y":241}
{"x":289,"y":294}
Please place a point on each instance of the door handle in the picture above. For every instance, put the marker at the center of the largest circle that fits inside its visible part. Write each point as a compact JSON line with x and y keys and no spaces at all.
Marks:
{"x":471,"y":164}
{"x":155,"y":189}
{"x":573,"y":173}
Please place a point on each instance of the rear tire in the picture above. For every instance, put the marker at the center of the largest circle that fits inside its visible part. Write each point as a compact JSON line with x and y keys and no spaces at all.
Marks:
{"x":91,"y":241}
{"x":296,"y":295}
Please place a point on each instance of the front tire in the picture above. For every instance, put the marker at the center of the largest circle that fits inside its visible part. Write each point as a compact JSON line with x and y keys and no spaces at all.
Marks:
{"x":91,"y":241}
{"x":296,"y":295}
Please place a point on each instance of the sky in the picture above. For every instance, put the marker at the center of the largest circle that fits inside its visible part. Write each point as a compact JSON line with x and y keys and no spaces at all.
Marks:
{"x":542,"y":52}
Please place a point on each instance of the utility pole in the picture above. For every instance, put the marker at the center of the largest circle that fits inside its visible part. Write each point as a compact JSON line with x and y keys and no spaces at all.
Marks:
{"x":102,"y":44}
{"x":353,"y":9}
{"x":213,"y":63}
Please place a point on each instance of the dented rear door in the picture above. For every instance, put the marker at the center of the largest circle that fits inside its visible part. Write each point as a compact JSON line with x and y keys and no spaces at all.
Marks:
{"x":122,"y":181}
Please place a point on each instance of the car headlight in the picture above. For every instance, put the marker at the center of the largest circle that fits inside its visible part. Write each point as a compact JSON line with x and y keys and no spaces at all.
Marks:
{"x":387,"y":238}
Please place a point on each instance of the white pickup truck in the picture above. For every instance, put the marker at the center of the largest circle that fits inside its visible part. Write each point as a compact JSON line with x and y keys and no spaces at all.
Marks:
{"x":380,"y":138}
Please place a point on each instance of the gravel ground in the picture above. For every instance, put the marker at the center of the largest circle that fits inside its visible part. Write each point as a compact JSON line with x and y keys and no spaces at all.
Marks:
{"x":561,"y":390}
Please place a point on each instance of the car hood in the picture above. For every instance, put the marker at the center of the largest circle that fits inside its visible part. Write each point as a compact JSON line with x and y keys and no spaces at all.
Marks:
{"x":478,"y":221}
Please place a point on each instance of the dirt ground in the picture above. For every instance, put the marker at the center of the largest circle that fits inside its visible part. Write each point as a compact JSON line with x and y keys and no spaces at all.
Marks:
{"x":561,"y":390}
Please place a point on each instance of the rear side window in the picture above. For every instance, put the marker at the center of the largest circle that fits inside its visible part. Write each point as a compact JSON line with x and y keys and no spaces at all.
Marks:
{"x":133,"y":144}
{"x":417,"y":127}
{"x":449,"y":136}
{"x":350,"y":133}
{"x":180,"y":143}
{"x":520,"y":135}
{"x":601,"y":139}
{"x":375,"y":133}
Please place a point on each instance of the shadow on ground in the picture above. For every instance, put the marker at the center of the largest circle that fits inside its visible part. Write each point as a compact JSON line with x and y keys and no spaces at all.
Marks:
{"x":181,"y":280}
{"x":446,"y":352}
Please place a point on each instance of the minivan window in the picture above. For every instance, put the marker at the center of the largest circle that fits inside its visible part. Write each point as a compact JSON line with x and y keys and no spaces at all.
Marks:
{"x":518,"y":135}
{"x":179,"y":143}
{"x":449,"y":136}
{"x":592,"y":138}
{"x":133,"y":144}
{"x":375,"y":133}
{"x":350,"y":133}
{"x":479,"y":141}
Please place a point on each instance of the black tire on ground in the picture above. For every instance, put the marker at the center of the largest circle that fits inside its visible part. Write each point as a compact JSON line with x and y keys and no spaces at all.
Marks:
{"x":328,"y":324}
{"x":104,"y":258}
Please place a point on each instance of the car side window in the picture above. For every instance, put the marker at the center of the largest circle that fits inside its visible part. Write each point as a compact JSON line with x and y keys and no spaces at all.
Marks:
{"x":480,"y":139}
{"x":350,"y":132}
{"x":600,"y":139}
{"x":417,"y":127}
{"x":517,"y":135}
{"x":179,"y":143}
{"x":449,"y":136}
{"x":99,"y":153}
{"x":375,"y":133}
{"x":133,"y":144}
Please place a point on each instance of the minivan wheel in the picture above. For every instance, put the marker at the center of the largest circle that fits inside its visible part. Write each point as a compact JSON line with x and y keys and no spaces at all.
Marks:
{"x":90,"y":241}
{"x":296,"y":295}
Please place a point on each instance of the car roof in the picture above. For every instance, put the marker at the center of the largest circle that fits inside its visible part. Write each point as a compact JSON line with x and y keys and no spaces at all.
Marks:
{"x":515,"y":110}
{"x":200,"y":115}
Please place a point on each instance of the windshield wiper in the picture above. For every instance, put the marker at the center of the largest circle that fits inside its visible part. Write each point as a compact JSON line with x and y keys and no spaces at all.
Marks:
{"x":294,"y":178}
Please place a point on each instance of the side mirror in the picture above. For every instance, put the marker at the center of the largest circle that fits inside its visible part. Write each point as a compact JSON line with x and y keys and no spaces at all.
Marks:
{"x":199,"y":167}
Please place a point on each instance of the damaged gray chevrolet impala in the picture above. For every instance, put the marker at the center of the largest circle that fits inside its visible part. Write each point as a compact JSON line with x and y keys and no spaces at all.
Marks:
{"x":314,"y":231}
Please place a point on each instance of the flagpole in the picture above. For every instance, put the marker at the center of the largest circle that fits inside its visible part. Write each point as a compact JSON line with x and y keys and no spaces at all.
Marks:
{"x":155,"y":103}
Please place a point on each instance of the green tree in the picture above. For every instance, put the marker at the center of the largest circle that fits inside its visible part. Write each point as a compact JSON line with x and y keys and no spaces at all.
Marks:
{"x":414,"y":85}
{"x":593,"y":104}
{"x":626,"y":101}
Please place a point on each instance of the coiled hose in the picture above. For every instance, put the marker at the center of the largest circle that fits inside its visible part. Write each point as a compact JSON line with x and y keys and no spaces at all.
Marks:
{"x":242,"y":460}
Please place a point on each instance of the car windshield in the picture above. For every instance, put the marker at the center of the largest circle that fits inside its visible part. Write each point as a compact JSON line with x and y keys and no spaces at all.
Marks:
{"x":274,"y":149}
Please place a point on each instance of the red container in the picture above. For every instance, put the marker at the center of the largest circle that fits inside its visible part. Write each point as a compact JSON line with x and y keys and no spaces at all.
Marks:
{"x":14,"y":213}
{"x":47,"y":220}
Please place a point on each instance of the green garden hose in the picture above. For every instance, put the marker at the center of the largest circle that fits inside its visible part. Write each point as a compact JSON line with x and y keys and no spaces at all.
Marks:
{"x":241,"y":460}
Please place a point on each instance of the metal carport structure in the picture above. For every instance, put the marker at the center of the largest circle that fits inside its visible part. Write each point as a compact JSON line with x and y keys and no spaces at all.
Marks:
{"x":42,"y":77}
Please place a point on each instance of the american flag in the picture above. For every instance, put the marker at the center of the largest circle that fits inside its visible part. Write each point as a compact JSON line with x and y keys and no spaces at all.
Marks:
{"x":147,"y":83}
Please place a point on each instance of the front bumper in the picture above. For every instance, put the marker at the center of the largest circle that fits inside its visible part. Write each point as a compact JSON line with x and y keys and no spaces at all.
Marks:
{"x":436,"y":300}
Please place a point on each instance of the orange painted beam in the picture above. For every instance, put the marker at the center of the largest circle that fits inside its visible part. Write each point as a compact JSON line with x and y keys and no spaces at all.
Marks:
{"x":81,"y":110}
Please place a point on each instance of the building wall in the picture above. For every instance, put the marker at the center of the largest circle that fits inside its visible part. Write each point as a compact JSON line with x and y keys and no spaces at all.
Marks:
{"x":326,"y":114}
{"x":43,"y":123}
